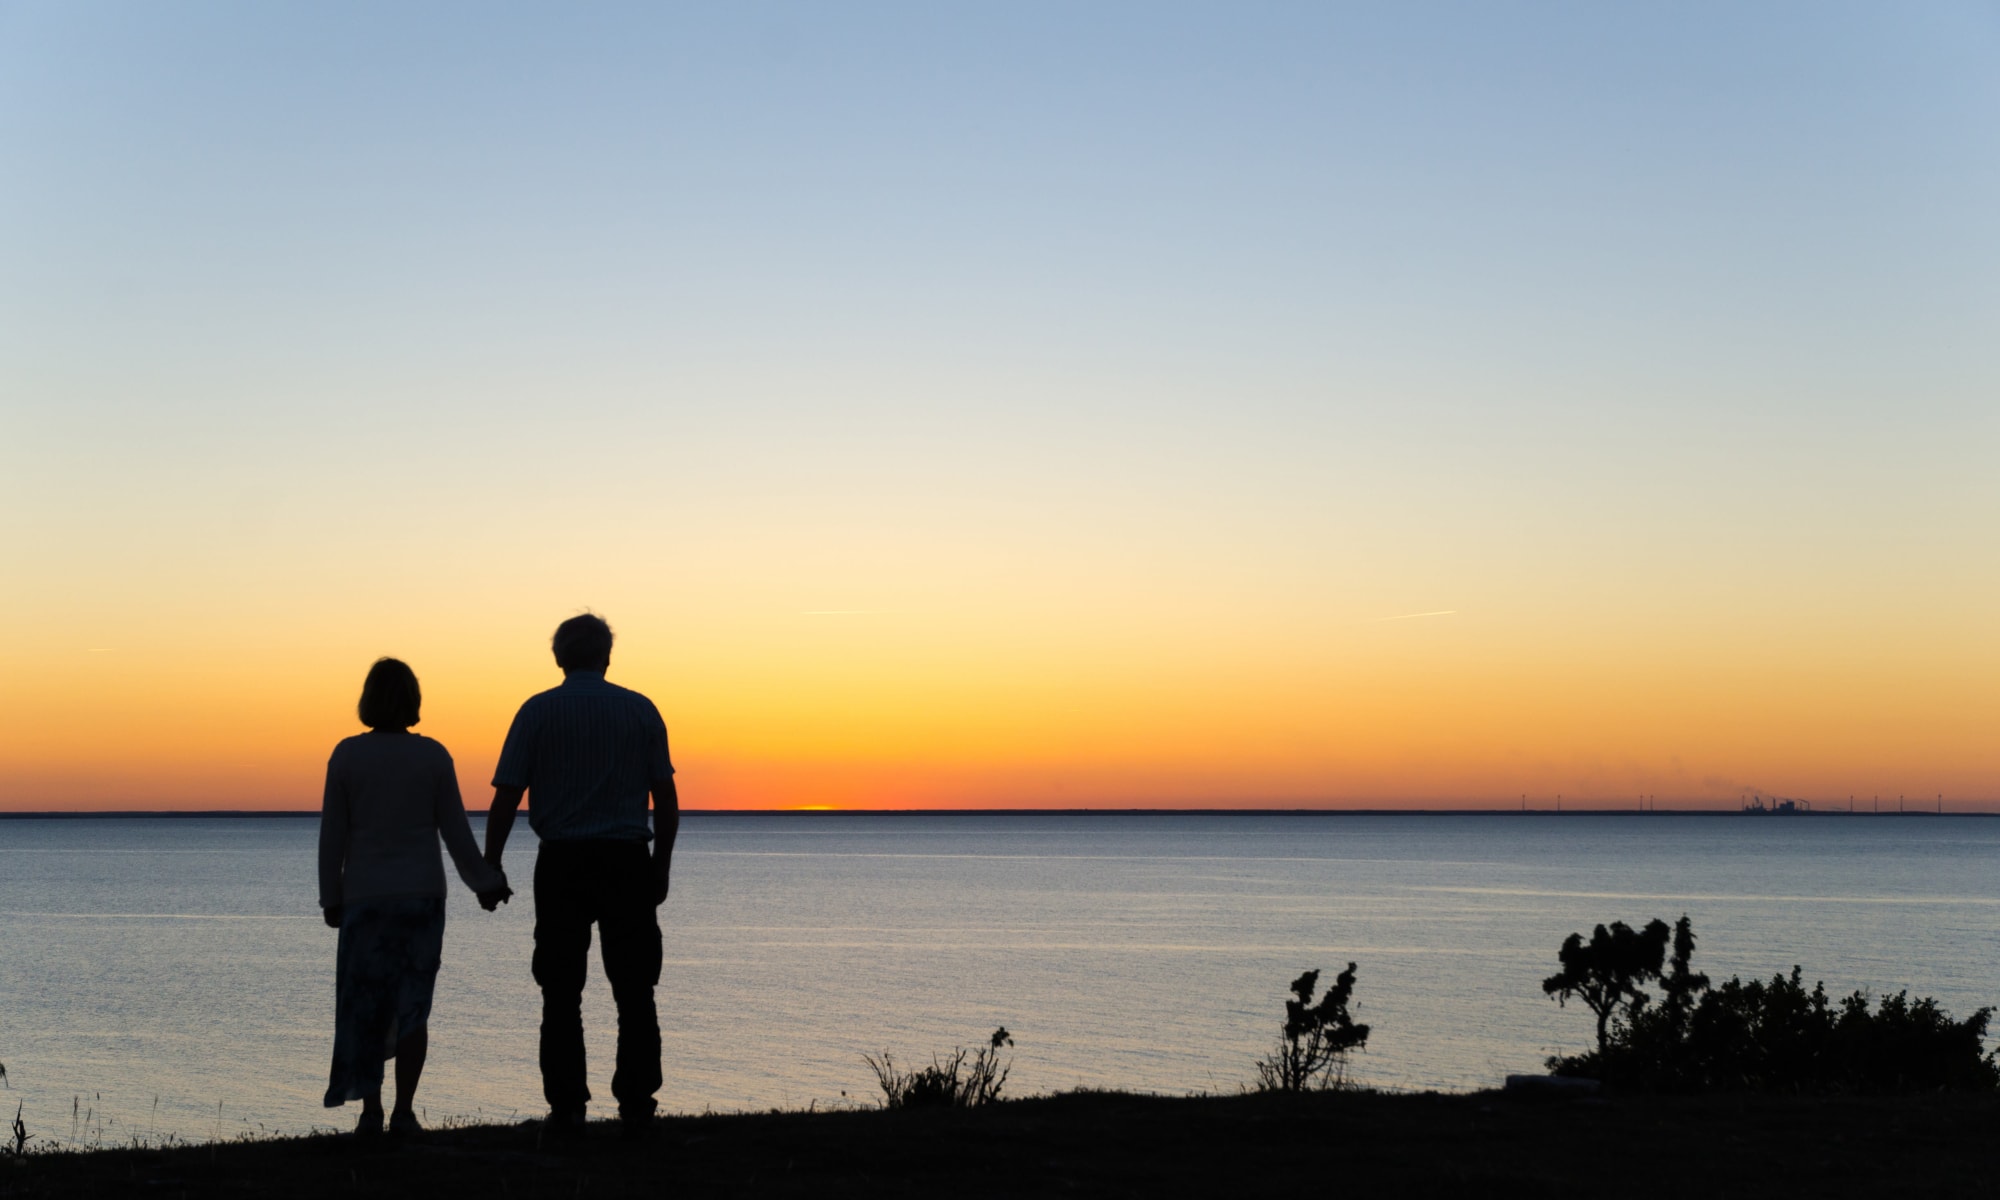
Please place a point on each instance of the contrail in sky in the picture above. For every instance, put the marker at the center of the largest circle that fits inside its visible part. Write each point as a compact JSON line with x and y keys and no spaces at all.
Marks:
{"x":1443,"y":612}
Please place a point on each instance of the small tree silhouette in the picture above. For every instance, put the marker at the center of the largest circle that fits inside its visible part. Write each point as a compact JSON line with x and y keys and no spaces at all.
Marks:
{"x":1312,"y":1051}
{"x":1606,"y":971}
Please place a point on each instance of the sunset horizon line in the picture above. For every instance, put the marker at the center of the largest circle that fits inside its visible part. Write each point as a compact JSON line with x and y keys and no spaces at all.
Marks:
{"x":1581,"y":808}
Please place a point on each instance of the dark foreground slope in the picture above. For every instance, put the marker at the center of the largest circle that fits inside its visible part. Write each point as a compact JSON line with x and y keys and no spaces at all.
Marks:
{"x":1121,"y":1145}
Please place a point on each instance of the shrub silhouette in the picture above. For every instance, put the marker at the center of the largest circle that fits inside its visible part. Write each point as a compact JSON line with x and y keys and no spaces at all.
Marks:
{"x":949,"y":1082}
{"x":1777,"y":1036}
{"x":1605,"y":972}
{"x":1312,"y":1049}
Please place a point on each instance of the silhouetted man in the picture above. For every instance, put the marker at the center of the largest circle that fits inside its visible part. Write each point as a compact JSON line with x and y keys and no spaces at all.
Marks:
{"x":586,"y":754}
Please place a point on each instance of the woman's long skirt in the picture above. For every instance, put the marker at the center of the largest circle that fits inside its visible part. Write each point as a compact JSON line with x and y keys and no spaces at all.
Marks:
{"x":385,"y":971}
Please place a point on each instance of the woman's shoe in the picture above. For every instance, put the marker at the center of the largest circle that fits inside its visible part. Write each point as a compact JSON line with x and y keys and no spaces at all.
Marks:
{"x":369,"y":1126}
{"x":404,"y":1121}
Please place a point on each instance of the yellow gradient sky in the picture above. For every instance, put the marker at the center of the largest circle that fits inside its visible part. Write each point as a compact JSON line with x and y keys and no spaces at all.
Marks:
{"x":1143,"y":405}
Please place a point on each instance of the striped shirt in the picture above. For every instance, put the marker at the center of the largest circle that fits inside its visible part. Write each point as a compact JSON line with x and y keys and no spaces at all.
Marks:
{"x":587,"y":752}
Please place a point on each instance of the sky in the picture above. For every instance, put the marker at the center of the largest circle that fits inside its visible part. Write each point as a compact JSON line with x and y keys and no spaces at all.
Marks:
{"x":1015,"y":404}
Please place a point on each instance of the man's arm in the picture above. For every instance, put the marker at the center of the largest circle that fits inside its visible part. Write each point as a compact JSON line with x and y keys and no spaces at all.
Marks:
{"x":516,"y":762}
{"x":500,"y":821}
{"x":666,"y":826}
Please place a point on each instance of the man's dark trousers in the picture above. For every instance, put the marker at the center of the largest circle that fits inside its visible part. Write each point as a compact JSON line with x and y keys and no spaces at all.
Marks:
{"x":610,"y":883}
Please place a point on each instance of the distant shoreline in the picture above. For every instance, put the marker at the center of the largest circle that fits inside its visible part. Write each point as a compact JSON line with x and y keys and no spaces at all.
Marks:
{"x":237,"y":813}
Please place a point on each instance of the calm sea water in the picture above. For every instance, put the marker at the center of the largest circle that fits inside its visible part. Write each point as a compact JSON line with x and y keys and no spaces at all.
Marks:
{"x":173,"y":976}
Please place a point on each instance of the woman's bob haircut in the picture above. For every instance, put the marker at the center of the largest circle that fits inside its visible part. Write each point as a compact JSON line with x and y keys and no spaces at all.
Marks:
{"x":390,"y":697}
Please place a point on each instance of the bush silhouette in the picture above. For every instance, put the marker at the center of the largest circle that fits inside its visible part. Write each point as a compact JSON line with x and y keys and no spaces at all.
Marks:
{"x":949,"y":1082}
{"x":1777,"y":1036}
{"x":1312,"y":1049}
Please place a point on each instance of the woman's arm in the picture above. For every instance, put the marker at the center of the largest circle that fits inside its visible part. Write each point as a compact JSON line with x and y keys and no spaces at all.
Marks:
{"x":332,"y":842}
{"x":482,"y":878}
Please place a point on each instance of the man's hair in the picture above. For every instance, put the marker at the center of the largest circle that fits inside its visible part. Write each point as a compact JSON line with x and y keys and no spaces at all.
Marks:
{"x":390,"y":698}
{"x":582,"y":643}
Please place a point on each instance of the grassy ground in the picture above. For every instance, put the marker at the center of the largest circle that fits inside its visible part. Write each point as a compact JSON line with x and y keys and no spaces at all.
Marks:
{"x":1110,"y":1144}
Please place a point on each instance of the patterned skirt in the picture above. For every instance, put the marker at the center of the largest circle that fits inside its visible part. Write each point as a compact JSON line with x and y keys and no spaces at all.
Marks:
{"x":385,"y":971}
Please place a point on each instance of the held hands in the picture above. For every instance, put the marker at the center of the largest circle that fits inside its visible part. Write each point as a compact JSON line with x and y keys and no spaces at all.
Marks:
{"x":491,"y":901}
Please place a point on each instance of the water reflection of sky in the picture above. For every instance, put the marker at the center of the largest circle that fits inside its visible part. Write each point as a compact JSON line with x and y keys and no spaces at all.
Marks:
{"x":184,"y":959}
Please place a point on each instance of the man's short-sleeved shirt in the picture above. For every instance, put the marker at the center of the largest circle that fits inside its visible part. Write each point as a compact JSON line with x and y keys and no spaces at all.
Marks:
{"x":588,"y":753}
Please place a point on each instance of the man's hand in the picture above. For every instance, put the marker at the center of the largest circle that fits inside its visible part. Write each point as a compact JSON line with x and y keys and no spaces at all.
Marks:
{"x":661,"y":880}
{"x":491,"y":901}
{"x":332,"y":913}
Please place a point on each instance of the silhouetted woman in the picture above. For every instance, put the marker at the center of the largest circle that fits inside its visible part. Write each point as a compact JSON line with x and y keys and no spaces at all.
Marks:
{"x":389,"y":794}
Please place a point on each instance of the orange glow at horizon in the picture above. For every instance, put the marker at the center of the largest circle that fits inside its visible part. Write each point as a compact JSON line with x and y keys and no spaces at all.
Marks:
{"x":1455,"y":712}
